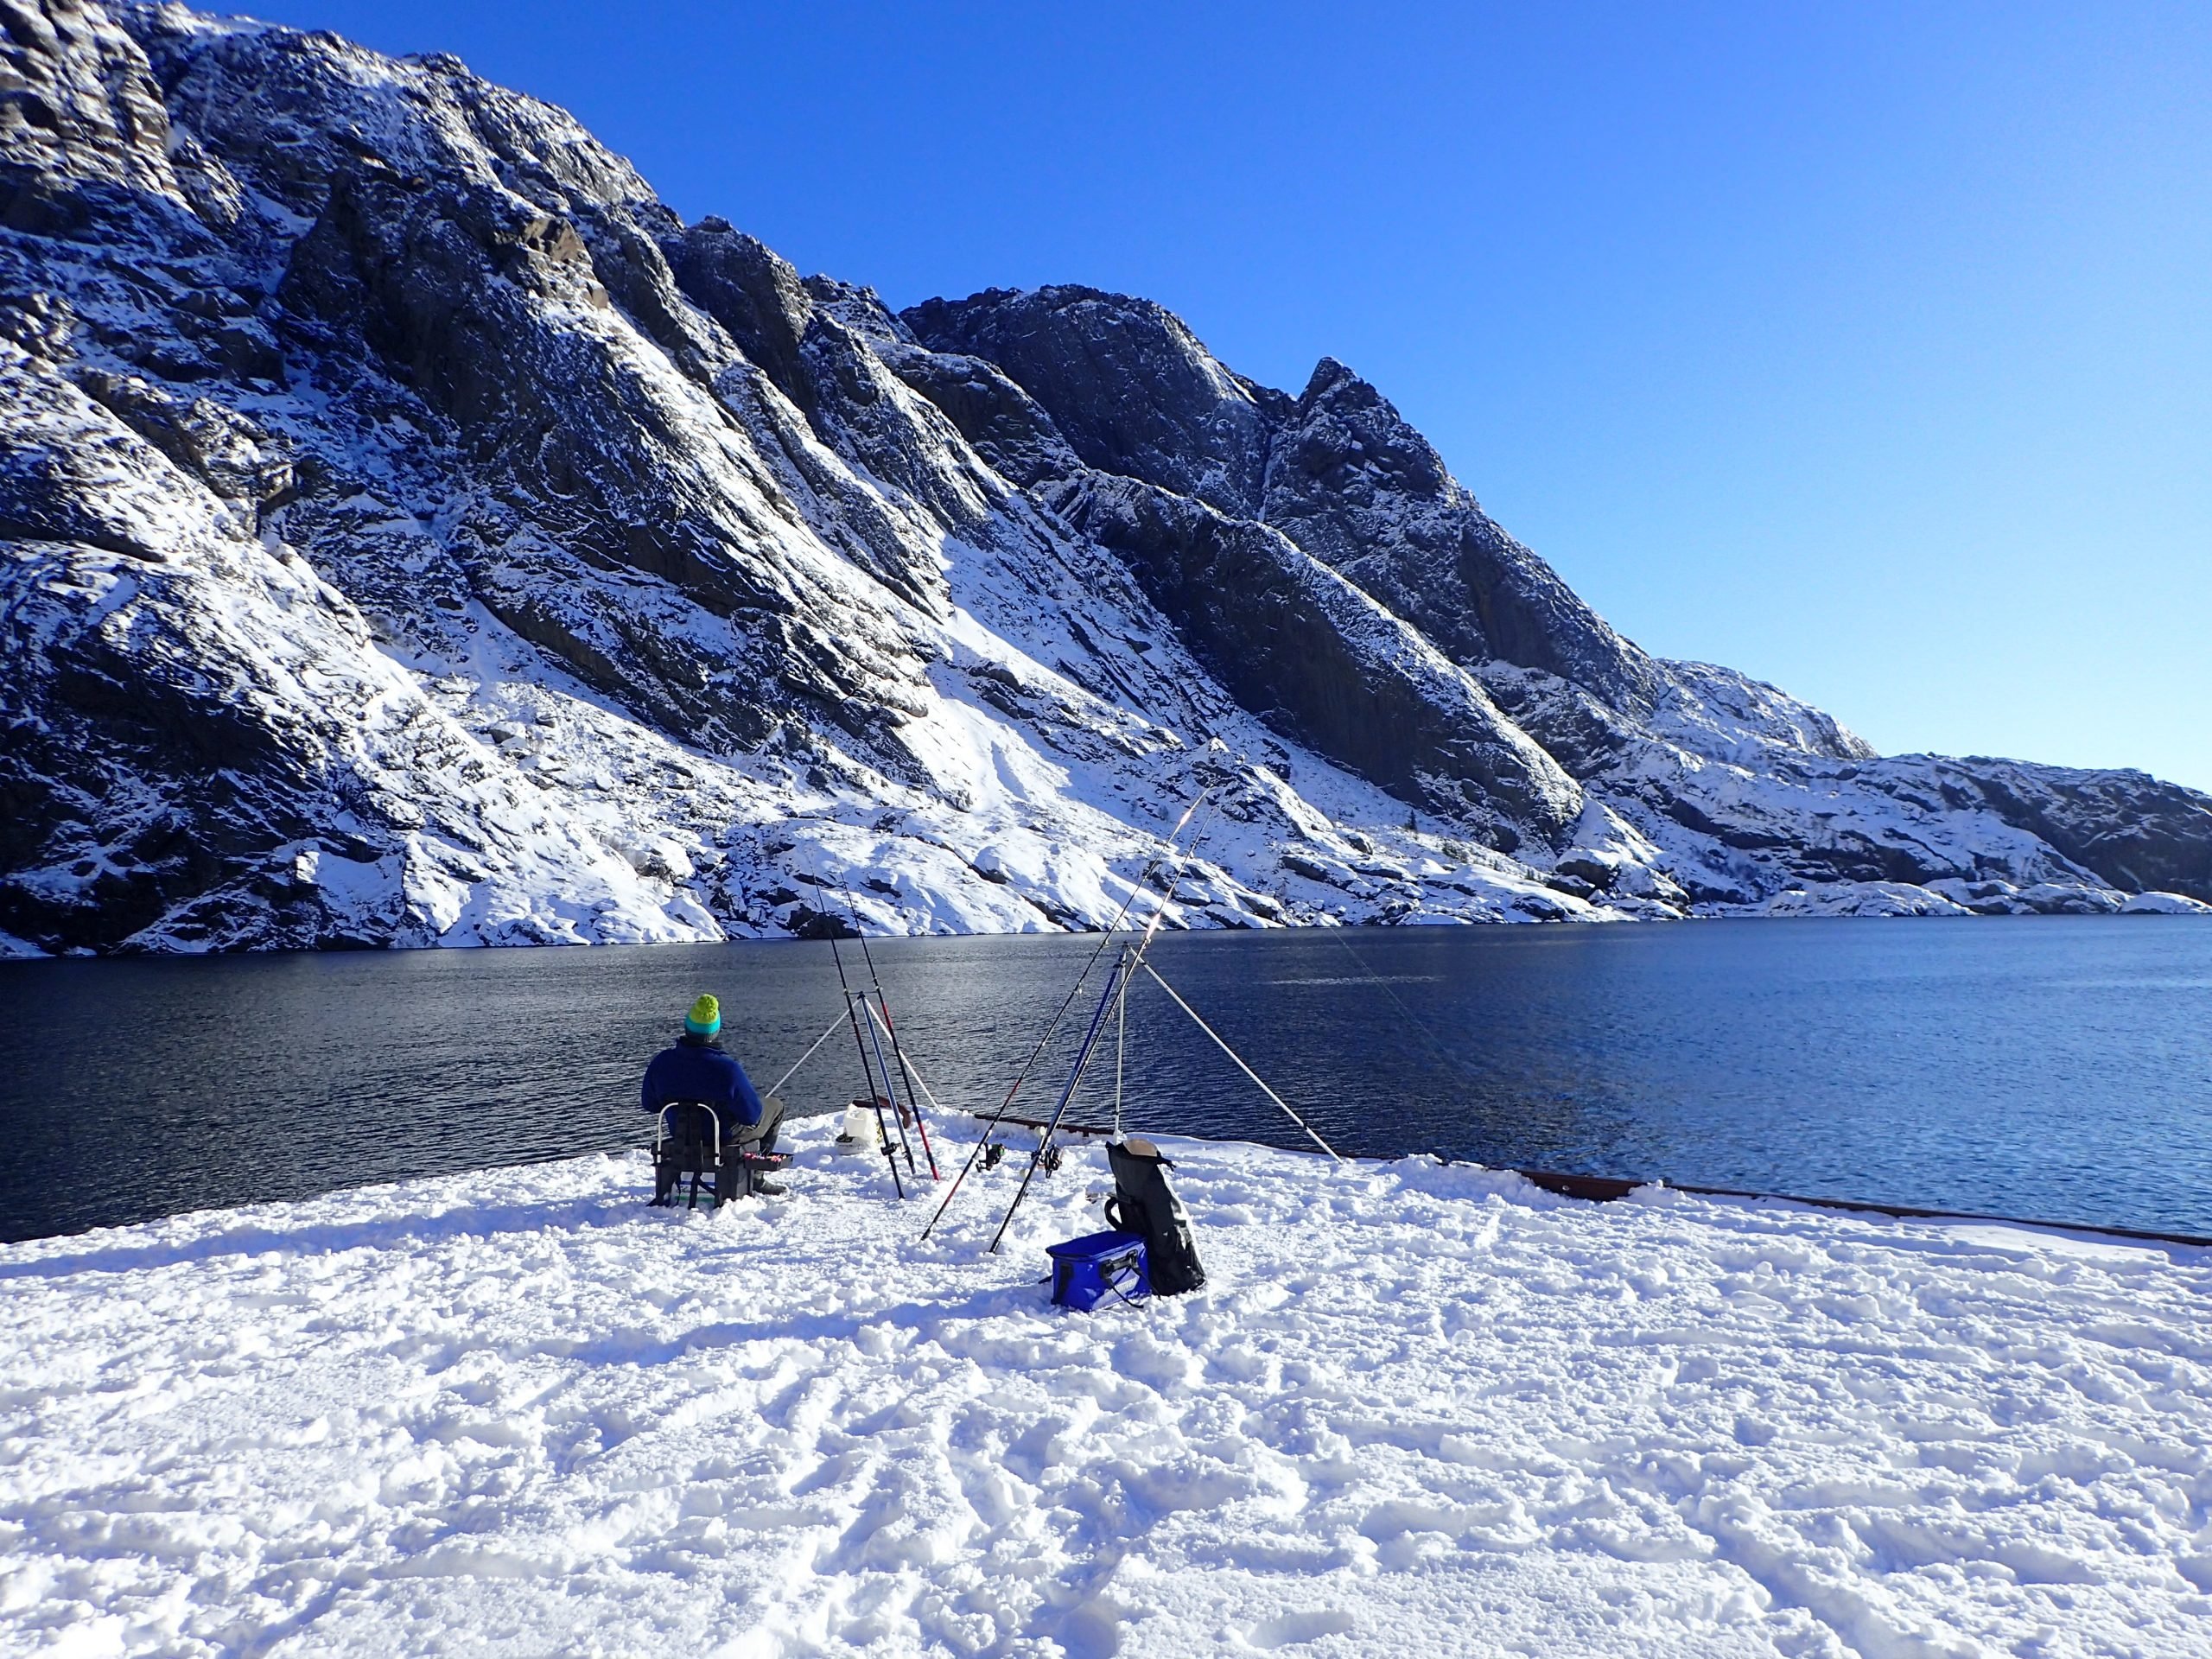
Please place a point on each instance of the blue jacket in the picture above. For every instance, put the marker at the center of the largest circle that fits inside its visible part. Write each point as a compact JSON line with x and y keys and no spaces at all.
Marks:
{"x":696,"y":1069}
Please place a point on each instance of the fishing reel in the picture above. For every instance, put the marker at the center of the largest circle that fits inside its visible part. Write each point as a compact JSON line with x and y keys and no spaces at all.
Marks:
{"x":1048,"y":1160}
{"x":992,"y":1151}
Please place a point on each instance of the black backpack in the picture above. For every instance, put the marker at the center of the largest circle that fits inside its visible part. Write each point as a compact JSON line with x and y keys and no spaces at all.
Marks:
{"x":1145,"y":1205}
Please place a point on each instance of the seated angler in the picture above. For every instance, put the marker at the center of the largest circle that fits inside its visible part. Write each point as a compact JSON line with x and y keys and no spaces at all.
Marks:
{"x":696,"y":1069}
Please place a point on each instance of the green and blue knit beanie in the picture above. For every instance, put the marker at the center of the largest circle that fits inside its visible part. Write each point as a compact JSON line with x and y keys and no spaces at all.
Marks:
{"x":705,"y":1018}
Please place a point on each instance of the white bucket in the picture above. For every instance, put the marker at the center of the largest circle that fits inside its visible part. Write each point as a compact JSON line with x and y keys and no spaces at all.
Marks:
{"x":858,"y":1133}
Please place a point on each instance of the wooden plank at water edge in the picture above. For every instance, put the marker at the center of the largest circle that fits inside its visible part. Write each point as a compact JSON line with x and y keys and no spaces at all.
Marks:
{"x":1600,"y":1189}
{"x":1605,"y":1189}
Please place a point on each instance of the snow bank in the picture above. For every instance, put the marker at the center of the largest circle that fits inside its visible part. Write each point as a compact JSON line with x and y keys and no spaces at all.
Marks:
{"x":2164,"y":904}
{"x":1419,"y":1409}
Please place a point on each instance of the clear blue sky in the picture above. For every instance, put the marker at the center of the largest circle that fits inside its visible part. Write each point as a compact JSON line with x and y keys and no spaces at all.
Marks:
{"x":1867,"y":348}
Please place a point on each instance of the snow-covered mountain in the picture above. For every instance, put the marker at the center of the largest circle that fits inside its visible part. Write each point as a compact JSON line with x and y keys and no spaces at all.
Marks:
{"x":416,"y":533}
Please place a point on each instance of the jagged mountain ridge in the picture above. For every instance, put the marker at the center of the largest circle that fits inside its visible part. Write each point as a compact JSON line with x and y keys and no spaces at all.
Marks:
{"x":416,"y":533}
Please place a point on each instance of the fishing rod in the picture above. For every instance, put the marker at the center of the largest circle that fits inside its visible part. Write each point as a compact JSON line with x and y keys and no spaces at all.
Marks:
{"x":913,"y":1104}
{"x":1125,"y":970}
{"x":1121,"y":1049}
{"x":1075,"y":1081}
{"x":881,"y":1134}
{"x":1074,"y":991}
{"x":884,"y":1067}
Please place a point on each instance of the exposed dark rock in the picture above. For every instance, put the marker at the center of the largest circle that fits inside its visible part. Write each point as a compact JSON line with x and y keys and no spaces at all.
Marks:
{"x":1322,"y":664}
{"x":754,"y":294}
{"x":1008,"y":427}
{"x":1129,"y":387}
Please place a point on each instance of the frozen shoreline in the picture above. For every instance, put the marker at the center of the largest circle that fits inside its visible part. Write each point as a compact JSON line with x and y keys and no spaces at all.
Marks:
{"x":1418,"y":1409}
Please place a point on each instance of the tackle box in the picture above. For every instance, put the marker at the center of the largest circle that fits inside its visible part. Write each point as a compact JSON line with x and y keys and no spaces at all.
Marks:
{"x":1087,"y":1271}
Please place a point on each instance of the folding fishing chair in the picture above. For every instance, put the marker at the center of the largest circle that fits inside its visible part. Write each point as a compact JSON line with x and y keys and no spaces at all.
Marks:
{"x":688,"y":1143}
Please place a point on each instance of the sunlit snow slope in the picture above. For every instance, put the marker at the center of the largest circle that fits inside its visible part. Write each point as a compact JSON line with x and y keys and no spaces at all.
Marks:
{"x":1418,"y":1410}
{"x":415,"y":533}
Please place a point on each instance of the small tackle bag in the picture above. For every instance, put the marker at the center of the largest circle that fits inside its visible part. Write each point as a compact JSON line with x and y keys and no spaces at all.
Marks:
{"x":1145,"y":1205}
{"x":1087,"y":1270}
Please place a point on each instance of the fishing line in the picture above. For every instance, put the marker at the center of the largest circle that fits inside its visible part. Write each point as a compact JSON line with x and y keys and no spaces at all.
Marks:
{"x":809,"y":1055}
{"x":1419,"y":1024}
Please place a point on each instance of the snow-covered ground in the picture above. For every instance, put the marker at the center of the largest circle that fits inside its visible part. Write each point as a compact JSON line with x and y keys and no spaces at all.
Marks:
{"x":1419,"y":1409}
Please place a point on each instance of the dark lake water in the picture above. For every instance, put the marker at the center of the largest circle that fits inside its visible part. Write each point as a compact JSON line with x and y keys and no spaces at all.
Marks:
{"x":2054,"y":1067}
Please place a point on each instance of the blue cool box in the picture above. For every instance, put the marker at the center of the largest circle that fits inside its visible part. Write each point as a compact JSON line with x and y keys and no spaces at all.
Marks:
{"x":1087,"y":1270}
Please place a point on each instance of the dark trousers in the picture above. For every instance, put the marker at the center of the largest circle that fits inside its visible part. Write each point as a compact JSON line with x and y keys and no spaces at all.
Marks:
{"x":761,"y":1136}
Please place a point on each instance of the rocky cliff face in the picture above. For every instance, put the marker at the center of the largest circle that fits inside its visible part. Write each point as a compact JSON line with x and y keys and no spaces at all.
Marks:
{"x":415,"y":533}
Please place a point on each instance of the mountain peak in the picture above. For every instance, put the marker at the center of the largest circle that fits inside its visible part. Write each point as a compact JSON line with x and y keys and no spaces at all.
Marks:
{"x":1330,"y":375}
